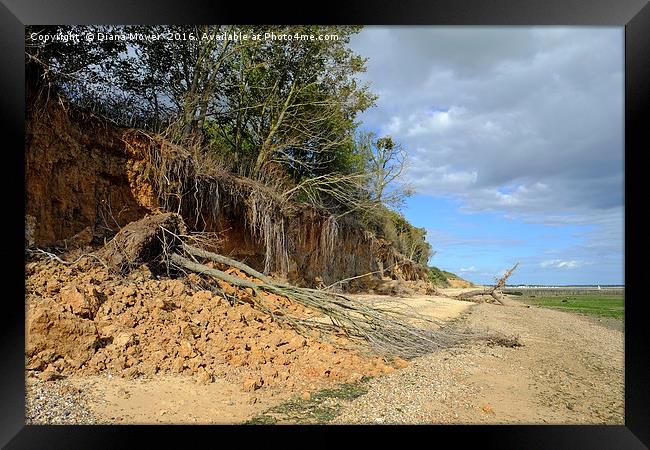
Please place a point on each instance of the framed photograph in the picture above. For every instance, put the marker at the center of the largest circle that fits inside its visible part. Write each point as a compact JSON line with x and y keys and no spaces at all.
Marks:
{"x":378,"y":216}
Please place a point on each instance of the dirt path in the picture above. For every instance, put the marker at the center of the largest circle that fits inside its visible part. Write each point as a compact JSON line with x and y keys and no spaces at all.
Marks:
{"x":569,"y":370}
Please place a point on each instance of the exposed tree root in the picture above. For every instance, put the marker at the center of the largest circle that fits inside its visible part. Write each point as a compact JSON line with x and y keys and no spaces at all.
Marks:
{"x":142,"y":242}
{"x":52,"y":256}
{"x":161,"y":241}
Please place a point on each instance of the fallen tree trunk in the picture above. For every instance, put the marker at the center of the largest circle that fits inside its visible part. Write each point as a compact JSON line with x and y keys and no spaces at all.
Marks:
{"x":491,"y":291}
{"x":162,"y":240}
{"x":469,"y":296}
{"x":194,"y":251}
{"x":388,"y":331}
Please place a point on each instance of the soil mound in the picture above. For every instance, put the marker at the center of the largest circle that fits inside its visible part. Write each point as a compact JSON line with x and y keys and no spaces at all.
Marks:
{"x":83,"y":319}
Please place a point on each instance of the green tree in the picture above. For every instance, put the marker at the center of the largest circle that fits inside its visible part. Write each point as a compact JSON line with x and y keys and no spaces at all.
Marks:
{"x":281,"y":111}
{"x":293,"y":101}
{"x":384,"y":163}
{"x":80,"y":69}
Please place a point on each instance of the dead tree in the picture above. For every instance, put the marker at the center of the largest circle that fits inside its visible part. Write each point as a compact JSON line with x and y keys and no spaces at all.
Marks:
{"x":388,"y":331}
{"x":492,"y":291}
{"x":161,"y":242}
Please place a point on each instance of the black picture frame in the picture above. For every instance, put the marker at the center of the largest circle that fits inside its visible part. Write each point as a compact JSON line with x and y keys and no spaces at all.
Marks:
{"x":634,"y":15}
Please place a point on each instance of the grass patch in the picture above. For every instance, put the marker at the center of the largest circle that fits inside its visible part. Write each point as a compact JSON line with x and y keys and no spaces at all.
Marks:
{"x":503,"y":340}
{"x":438,"y":277}
{"x":322,"y":407}
{"x":609,"y":305}
{"x":442,"y":278}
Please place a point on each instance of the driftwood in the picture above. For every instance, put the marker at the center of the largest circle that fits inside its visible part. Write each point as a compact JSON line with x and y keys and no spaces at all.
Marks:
{"x":492,"y":291}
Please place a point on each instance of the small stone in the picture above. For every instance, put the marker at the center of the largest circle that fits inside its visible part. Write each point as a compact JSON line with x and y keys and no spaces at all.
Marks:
{"x":128,"y":291}
{"x":78,"y":303}
{"x":238,"y":360}
{"x":35,"y":364}
{"x":49,"y":375}
{"x":305,"y":396}
{"x":399,"y":363}
{"x":204,"y":376}
{"x":253,"y":384}
{"x":123,"y":340}
{"x":178,"y":364}
{"x":185,"y":350}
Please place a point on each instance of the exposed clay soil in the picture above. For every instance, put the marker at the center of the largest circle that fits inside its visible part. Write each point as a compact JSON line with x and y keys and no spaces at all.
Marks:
{"x":84,"y":321}
{"x":86,"y":179}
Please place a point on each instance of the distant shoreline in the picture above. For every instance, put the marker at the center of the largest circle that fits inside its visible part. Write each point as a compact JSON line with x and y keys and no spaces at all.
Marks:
{"x":565,"y":286}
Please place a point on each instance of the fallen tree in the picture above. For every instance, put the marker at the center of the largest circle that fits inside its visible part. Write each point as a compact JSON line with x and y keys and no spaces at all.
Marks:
{"x":493,"y":291}
{"x":388,"y":331}
{"x":158,"y":241}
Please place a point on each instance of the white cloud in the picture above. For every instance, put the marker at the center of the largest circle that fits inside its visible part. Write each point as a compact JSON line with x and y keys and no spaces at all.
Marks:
{"x":428,"y":123}
{"x":560,"y":264}
{"x":394,"y":126}
{"x":470,"y":269}
{"x":443,"y":177}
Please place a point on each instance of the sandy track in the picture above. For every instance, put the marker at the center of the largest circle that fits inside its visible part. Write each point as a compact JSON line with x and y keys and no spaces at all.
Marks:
{"x":440,"y":308}
{"x":569,"y":370}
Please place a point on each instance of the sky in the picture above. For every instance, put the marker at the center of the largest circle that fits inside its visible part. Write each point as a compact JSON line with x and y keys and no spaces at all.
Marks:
{"x":515,"y":145}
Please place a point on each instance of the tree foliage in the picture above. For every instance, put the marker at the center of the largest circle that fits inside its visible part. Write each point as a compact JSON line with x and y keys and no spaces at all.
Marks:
{"x":384,"y":162}
{"x":393,"y":226}
{"x":283,"y":112}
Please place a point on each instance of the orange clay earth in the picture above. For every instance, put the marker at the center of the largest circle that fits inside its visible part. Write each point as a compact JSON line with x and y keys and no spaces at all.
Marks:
{"x":84,"y":321}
